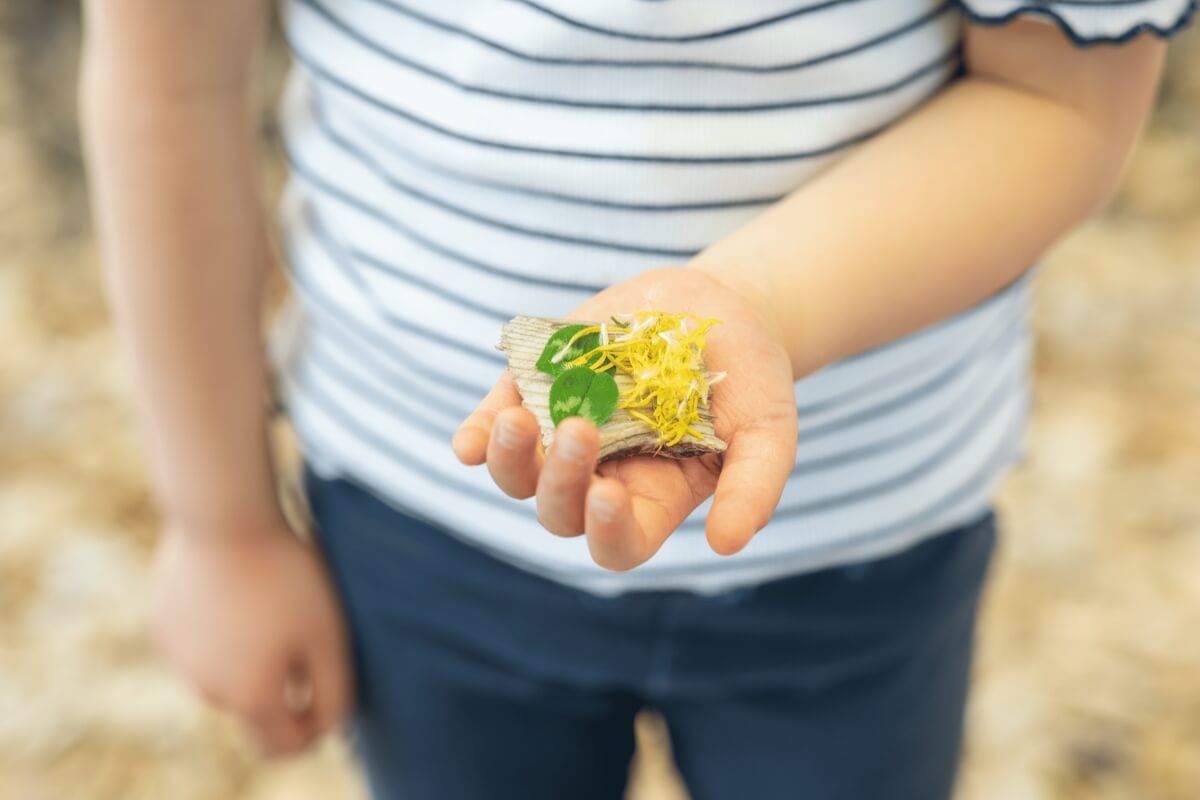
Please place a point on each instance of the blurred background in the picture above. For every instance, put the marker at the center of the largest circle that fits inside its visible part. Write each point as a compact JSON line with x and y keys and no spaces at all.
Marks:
{"x":1088,"y":678}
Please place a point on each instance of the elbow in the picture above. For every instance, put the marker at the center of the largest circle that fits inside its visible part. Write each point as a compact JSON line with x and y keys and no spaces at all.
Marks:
{"x":1099,"y":187}
{"x":1094,"y":150}
{"x":98,"y":95}
{"x":118,"y":88}
{"x":90,"y":105}
{"x":1107,"y":164}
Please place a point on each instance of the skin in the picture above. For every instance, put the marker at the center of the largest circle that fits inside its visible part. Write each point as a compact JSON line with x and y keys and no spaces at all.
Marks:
{"x":241,"y":606}
{"x":631,"y":505}
{"x":1030,"y":142}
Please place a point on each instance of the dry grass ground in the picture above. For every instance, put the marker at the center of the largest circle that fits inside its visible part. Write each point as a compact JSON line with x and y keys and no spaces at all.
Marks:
{"x":1089,"y":673}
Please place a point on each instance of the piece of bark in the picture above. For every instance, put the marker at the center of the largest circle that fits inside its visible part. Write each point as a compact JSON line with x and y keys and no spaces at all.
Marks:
{"x":522,"y":341}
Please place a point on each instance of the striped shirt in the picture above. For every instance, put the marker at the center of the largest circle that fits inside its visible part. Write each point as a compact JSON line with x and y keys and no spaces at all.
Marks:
{"x":458,"y":164}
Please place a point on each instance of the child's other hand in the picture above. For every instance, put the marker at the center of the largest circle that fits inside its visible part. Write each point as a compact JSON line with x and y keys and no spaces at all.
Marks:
{"x":249,"y":618}
{"x":630,"y":507}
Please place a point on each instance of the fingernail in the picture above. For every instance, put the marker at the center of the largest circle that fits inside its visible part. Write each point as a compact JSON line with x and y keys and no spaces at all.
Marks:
{"x":604,"y":509}
{"x":570,"y":448}
{"x":508,"y":435}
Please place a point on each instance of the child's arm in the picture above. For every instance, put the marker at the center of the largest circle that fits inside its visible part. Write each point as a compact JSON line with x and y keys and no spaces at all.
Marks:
{"x":926,"y":219}
{"x":169,"y":135}
{"x":955,"y":201}
{"x":169,"y":131}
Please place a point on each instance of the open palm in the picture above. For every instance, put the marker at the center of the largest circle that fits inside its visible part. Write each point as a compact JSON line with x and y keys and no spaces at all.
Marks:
{"x":629,"y":506}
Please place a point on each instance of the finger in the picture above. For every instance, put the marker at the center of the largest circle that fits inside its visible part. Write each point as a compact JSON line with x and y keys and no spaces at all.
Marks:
{"x":260,"y":700}
{"x":624,"y":529}
{"x":755,"y":469}
{"x":471,"y":439}
{"x":276,"y":729}
{"x":608,"y":517}
{"x":513,"y":458}
{"x":328,"y":669}
{"x":211,"y":696}
{"x":563,"y":484}
{"x":280,"y":734}
{"x":298,"y":692}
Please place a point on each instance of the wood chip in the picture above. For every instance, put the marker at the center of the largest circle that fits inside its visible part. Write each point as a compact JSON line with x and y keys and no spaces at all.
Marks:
{"x":522,"y":341}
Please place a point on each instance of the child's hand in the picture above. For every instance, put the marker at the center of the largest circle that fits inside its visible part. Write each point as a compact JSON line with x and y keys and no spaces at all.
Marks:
{"x":630,"y":508}
{"x":248,"y":618}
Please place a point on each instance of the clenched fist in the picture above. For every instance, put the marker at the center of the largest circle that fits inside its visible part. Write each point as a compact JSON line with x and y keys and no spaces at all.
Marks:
{"x":249,"y":618}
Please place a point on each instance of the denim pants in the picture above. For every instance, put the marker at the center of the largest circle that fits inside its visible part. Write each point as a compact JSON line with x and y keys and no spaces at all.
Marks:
{"x":477,"y":679}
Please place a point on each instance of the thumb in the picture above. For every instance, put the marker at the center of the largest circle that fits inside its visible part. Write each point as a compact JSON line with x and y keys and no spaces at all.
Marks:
{"x":325,"y":667}
{"x":754,"y":472}
{"x":471,"y":439}
{"x":278,"y":714}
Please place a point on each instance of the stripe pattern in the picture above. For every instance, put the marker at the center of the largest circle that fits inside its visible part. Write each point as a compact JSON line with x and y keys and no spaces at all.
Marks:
{"x":1090,"y":22}
{"x":457,"y":164}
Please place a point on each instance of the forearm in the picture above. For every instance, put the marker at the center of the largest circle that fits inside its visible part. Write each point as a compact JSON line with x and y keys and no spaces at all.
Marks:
{"x":932,"y":216}
{"x":184,"y":247}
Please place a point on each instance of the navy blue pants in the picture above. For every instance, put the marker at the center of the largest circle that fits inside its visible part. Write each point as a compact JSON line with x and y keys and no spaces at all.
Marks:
{"x":477,"y":679}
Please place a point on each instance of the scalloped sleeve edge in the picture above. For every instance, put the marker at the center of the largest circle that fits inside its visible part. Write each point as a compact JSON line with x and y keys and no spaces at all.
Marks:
{"x":1090,"y":22}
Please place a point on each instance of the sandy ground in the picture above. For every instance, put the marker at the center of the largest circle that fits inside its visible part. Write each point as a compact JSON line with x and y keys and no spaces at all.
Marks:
{"x":1088,"y":682}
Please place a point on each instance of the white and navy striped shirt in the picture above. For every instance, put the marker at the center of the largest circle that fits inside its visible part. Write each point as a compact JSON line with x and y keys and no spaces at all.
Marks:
{"x":458,"y":164}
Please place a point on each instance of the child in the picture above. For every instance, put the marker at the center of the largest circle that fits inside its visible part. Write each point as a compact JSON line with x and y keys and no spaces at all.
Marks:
{"x":857,"y":188}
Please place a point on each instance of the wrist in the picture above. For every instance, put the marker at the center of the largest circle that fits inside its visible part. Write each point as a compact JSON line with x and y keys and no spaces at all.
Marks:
{"x":797,"y":317}
{"x":208,"y":487}
{"x":749,"y":280}
{"x":223,"y":520}
{"x":742,"y":277}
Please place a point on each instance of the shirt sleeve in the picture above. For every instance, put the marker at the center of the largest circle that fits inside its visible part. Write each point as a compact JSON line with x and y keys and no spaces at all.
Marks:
{"x":1089,"y":21}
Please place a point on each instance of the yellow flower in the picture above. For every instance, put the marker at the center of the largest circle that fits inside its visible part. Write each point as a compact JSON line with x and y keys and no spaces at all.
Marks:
{"x":663,"y":354}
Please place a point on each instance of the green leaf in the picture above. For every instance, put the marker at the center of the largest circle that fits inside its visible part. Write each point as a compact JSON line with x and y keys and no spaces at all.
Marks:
{"x":580,"y":392}
{"x":551,"y":363}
